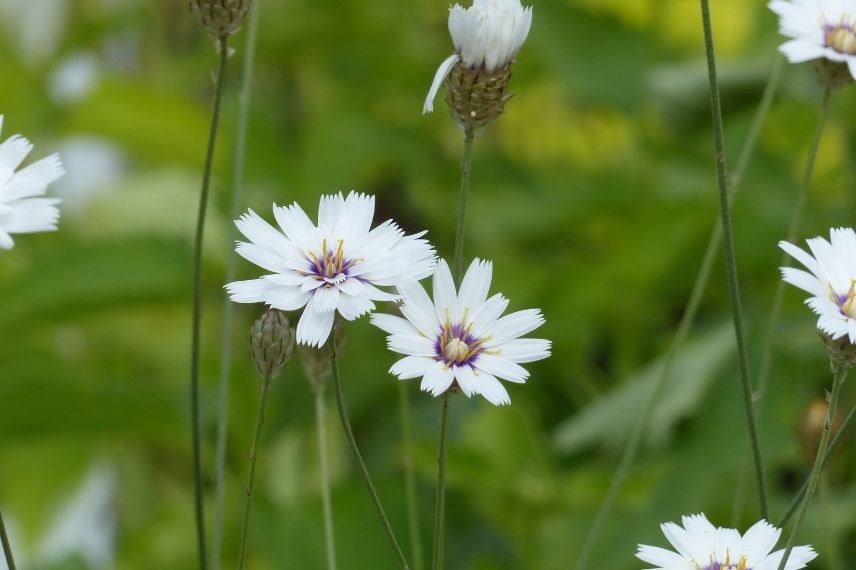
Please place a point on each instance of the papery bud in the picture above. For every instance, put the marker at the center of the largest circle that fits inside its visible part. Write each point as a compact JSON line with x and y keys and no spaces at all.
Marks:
{"x":220,"y":18}
{"x":476,"y":96}
{"x":841,"y":351}
{"x":271,"y":343}
{"x":811,"y":425}
{"x":832,"y":74}
{"x":316,"y":361}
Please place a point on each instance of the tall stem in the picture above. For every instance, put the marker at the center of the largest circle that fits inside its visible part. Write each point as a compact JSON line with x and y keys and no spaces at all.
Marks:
{"x":440,"y":504}
{"x":197,"y":305}
{"x":730,"y":260}
{"x":264,"y":390}
{"x":628,"y":456}
{"x":840,"y":375}
{"x":793,"y":229}
{"x":410,"y":476}
{"x":228,"y":306}
{"x":7,"y":547}
{"x":321,"y":424}
{"x":463,"y":199}
{"x":833,"y":445}
{"x":458,"y":264}
{"x":358,"y":458}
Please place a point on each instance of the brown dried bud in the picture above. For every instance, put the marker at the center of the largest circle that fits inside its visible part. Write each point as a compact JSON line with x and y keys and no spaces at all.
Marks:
{"x":271,"y":343}
{"x":316,"y":361}
{"x":810,"y":427}
{"x":476,"y":96}
{"x":841,"y":351}
{"x":832,"y":74}
{"x":220,"y":17}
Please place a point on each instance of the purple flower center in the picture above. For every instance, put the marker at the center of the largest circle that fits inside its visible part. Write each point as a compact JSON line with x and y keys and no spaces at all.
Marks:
{"x":846,"y":302}
{"x":840,"y":37}
{"x":456,"y":345}
{"x":331,"y":266}
{"x":739,"y":564}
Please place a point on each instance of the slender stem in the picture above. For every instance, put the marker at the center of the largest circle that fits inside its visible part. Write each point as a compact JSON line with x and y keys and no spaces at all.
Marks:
{"x":440,"y":504}
{"x":358,"y":458}
{"x":228,"y":305}
{"x":460,"y":232}
{"x":730,"y":259}
{"x":793,"y":229}
{"x":410,"y":477}
{"x":197,"y":305}
{"x":628,"y":456}
{"x":833,"y":445}
{"x":264,"y":390}
{"x":321,"y":423}
{"x":7,"y":547}
{"x":840,"y":375}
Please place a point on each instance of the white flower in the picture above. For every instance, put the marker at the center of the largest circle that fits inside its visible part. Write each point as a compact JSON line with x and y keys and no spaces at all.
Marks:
{"x":832,"y":281}
{"x":335,"y":265}
{"x":487,"y":35}
{"x":819,"y":29}
{"x":460,"y":336}
{"x":701,"y":546}
{"x":20,"y":211}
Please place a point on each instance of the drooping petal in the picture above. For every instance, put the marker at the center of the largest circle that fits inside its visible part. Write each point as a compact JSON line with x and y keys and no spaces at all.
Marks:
{"x":442,"y":72}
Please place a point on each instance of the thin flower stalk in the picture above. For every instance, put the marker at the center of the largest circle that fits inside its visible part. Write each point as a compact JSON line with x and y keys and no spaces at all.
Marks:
{"x":730,"y":259}
{"x":197,"y":304}
{"x":324,"y":468}
{"x":7,"y":547}
{"x":833,"y":445}
{"x":358,"y":458}
{"x":838,"y":381}
{"x":410,"y":477}
{"x":458,"y":264}
{"x":264,"y":390}
{"x":628,"y":456}
{"x":231,"y":263}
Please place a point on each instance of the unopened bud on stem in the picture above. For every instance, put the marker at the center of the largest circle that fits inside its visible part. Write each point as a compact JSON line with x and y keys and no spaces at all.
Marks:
{"x":271,"y":343}
{"x":221,"y":18}
{"x":316,"y":361}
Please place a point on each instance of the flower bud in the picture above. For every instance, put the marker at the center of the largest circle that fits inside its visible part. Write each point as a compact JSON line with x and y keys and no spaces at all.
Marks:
{"x":316,"y":360}
{"x":832,"y":74}
{"x":271,"y":343}
{"x":221,"y":18}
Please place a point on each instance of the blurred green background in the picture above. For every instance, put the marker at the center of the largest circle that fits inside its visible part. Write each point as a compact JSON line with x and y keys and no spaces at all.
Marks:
{"x":594,"y":195}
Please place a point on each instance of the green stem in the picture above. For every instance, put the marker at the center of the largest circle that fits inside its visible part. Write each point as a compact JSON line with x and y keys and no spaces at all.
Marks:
{"x":833,"y":445}
{"x":355,"y":453}
{"x":410,"y":476}
{"x":838,"y":381}
{"x":793,"y":229}
{"x":440,"y":504}
{"x":688,"y":317}
{"x":730,"y":260}
{"x":197,"y":305}
{"x":228,"y":305}
{"x":321,"y":423}
{"x":264,"y":390}
{"x":460,"y":232}
{"x":7,"y":547}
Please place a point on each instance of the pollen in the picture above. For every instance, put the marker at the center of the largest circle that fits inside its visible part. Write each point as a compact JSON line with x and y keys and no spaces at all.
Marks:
{"x":841,"y":37}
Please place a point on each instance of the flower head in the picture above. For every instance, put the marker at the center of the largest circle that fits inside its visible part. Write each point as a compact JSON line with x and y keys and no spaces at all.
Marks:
{"x":220,"y":18}
{"x":21,"y":209}
{"x":336,"y":265}
{"x":830,"y":280}
{"x":460,"y":337}
{"x":818,"y":29}
{"x":701,"y":546}
{"x":487,"y":37}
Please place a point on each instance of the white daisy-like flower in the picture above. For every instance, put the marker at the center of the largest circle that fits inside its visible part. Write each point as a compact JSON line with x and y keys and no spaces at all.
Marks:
{"x":334,"y":266}
{"x":486,"y":35}
{"x":819,"y":29}
{"x":461,"y":336}
{"x":702,"y":546}
{"x":830,"y":280}
{"x":22,"y":210}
